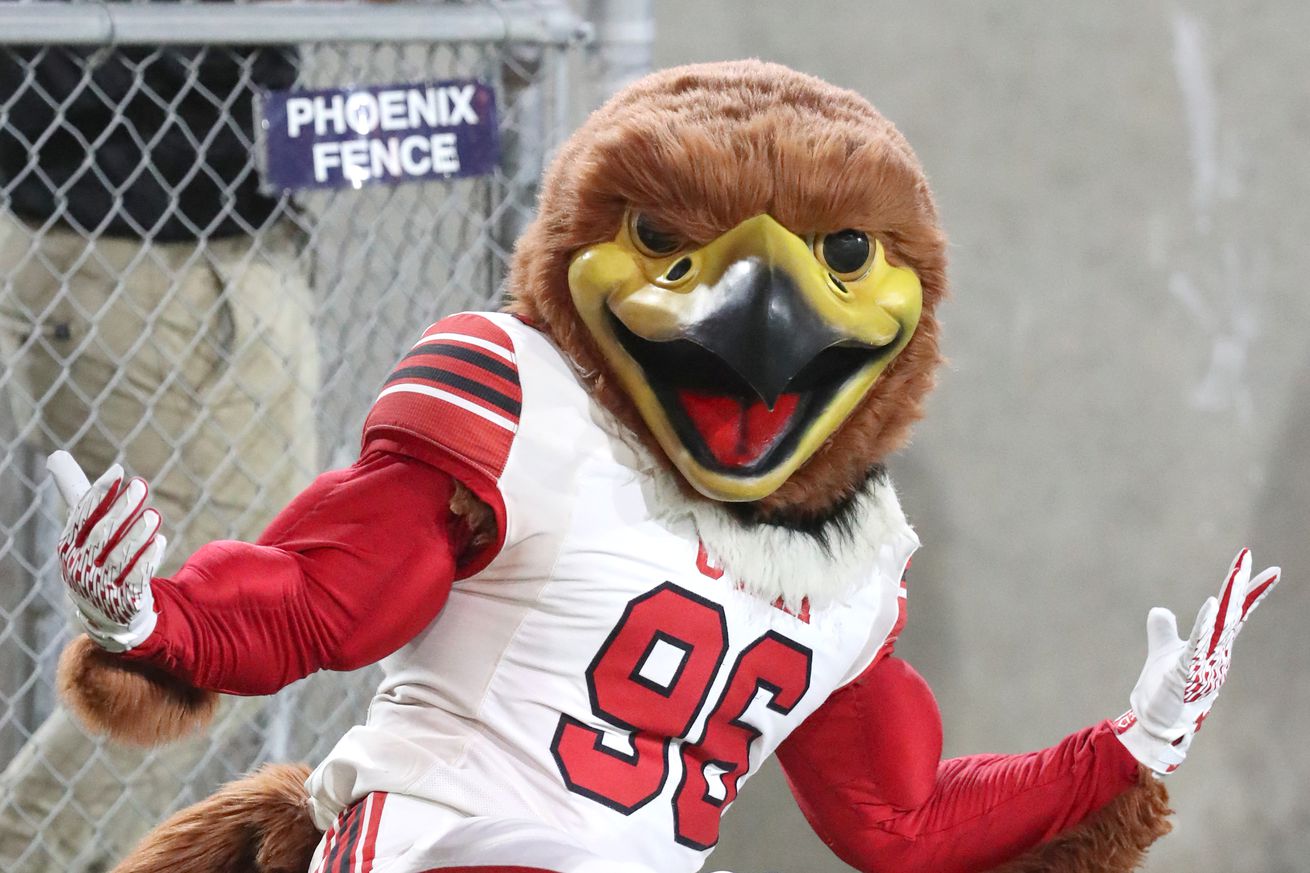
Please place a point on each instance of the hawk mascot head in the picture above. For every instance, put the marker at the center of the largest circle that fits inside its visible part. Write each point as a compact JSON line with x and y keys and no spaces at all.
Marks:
{"x":744,"y":262}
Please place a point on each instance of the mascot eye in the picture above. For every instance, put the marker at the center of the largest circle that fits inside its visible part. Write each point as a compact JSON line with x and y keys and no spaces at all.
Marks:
{"x":651,"y":239}
{"x":847,"y":253}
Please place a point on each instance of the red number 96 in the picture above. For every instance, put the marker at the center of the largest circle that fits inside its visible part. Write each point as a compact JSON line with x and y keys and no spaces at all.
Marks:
{"x":651,"y":679}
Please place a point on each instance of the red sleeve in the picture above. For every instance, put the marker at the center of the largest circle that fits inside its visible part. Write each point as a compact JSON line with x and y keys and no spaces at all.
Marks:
{"x":866,"y":771}
{"x":454,"y":401}
{"x":351,"y":570}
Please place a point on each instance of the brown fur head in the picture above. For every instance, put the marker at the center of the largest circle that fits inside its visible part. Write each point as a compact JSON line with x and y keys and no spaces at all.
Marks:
{"x":704,"y":147}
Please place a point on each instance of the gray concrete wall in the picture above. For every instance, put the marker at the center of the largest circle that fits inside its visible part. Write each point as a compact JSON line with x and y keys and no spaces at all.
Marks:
{"x":1128,"y":402}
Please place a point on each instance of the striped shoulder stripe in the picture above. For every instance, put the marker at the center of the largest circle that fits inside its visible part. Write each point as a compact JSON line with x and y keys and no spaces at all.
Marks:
{"x":468,"y":362}
{"x":508,"y":424}
{"x":450,"y":346}
{"x":458,"y":389}
{"x":435,"y":335}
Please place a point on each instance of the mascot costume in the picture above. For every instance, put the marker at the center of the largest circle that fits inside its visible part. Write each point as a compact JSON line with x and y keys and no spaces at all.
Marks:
{"x":617,"y":544}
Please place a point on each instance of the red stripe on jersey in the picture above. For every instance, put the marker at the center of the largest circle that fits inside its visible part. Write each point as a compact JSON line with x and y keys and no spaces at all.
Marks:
{"x":348,"y":826}
{"x":327,"y":846}
{"x":371,"y":832}
{"x":458,"y":390}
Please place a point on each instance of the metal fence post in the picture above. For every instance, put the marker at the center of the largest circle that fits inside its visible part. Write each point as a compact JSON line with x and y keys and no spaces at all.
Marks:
{"x":621,"y":51}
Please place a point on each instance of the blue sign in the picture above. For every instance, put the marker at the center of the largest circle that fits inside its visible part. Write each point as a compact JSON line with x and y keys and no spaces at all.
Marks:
{"x":351,"y":137}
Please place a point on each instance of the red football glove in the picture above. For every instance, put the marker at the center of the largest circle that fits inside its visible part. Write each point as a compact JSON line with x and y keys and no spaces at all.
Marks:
{"x":108,"y":553}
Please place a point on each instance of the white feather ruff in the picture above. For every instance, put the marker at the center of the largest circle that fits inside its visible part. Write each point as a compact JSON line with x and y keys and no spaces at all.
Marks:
{"x":771,"y":561}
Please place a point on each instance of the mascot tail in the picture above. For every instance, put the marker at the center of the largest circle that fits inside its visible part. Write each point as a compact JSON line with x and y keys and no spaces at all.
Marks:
{"x":259,"y":824}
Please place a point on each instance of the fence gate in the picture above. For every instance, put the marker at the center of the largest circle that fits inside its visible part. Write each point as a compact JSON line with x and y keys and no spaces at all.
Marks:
{"x":221,"y":341}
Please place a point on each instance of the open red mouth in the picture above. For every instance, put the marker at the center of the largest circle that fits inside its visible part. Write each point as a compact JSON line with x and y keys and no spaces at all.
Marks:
{"x":720,"y":418}
{"x":737,"y":431}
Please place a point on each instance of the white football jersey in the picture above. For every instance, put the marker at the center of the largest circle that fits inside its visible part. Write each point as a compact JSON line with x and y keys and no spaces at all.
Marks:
{"x":599,"y":672}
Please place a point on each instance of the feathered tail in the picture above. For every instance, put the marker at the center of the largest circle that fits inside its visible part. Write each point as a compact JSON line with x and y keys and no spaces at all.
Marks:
{"x":258,"y":824}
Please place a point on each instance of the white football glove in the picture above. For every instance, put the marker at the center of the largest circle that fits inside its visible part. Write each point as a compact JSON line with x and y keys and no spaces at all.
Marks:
{"x":1181,"y":679}
{"x":108,"y":553}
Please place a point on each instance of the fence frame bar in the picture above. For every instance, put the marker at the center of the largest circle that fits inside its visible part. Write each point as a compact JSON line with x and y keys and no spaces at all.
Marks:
{"x":272,"y":23}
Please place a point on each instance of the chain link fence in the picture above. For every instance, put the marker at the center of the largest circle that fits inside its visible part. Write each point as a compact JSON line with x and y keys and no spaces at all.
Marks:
{"x":159,"y":309}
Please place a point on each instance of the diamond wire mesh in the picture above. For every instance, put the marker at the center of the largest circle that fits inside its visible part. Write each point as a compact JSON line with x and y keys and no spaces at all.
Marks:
{"x":157,"y":311}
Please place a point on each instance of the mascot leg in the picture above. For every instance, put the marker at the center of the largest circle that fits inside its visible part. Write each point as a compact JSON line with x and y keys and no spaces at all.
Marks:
{"x":259,"y":824}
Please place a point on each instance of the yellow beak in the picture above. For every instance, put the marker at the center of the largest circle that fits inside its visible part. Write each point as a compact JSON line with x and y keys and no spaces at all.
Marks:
{"x":742,"y":356}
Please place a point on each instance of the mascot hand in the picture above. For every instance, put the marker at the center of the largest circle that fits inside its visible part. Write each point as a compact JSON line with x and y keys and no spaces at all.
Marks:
{"x":108,"y":553}
{"x":1182,"y":678}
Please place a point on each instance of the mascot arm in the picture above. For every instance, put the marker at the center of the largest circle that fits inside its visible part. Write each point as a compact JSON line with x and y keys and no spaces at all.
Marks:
{"x":866,"y":771}
{"x":360,"y":562}
{"x":351,"y":570}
